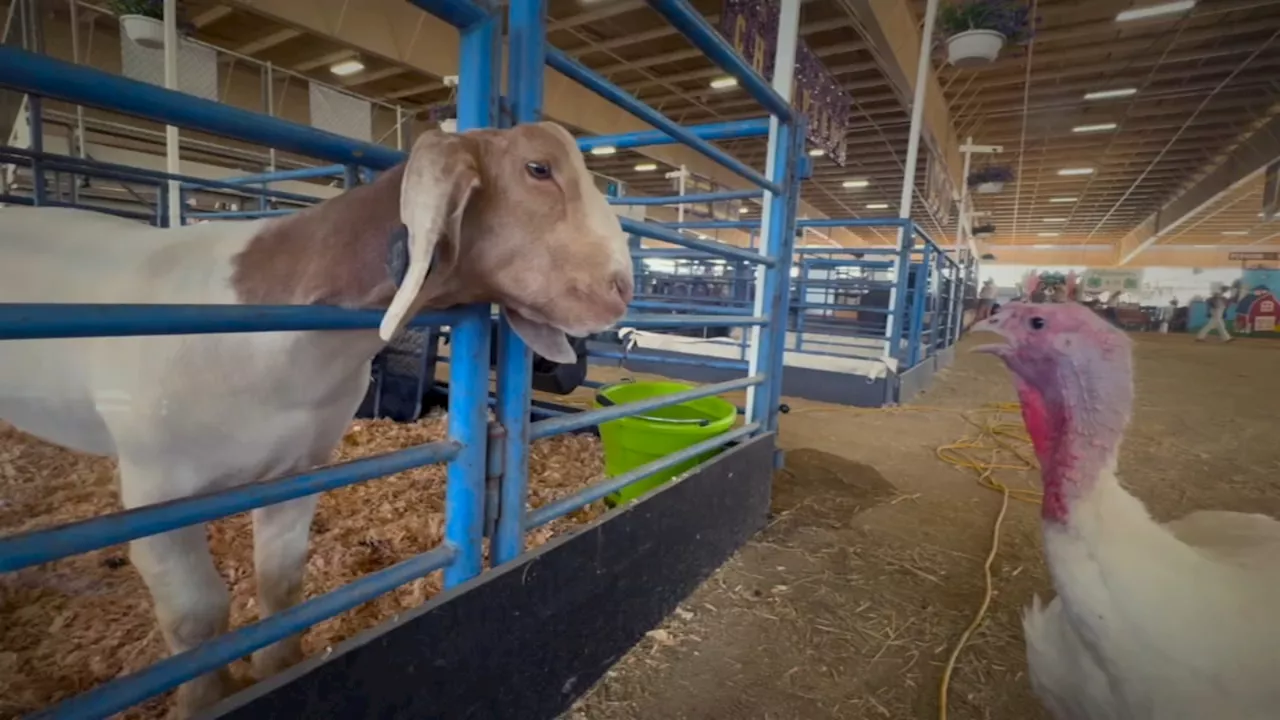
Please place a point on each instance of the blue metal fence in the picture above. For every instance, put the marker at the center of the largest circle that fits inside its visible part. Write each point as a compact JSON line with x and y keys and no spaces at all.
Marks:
{"x":473,"y":447}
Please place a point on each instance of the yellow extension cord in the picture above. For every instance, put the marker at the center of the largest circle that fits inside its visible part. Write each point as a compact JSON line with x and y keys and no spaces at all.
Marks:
{"x":981,"y":454}
{"x":995,"y":436}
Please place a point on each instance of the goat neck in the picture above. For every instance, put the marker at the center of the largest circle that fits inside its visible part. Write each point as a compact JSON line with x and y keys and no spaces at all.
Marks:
{"x":335,"y":253}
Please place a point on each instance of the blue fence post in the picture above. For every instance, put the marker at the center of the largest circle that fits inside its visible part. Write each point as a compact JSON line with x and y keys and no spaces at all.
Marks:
{"x":919,"y":298}
{"x":790,"y":147}
{"x":896,"y":326}
{"x":526,"y":63}
{"x":469,"y":338}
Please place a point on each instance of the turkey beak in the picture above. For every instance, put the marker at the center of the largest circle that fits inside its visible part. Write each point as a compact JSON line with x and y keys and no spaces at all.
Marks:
{"x":991,"y":325}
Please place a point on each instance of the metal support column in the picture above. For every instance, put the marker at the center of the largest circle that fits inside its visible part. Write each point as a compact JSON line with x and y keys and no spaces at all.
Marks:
{"x":469,"y":338}
{"x":772,"y":281}
{"x":526,"y":63}
{"x":897,"y":321}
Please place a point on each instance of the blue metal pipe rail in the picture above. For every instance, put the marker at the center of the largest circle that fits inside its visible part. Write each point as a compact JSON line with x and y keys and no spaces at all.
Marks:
{"x":607,"y":90}
{"x":44,"y":76}
{"x":474,"y":443}
{"x":687,"y":199}
{"x":731,"y":130}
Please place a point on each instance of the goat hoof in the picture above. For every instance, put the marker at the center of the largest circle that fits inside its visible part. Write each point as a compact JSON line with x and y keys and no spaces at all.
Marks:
{"x":272,"y":659}
{"x":200,"y":694}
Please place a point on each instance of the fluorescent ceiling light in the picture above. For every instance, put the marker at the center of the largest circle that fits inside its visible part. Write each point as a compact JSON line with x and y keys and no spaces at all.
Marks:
{"x":817,"y":152}
{"x":604,"y":150}
{"x":1076,"y":171}
{"x":1047,"y":234}
{"x":855,"y":183}
{"x":744,"y":210}
{"x":646,"y":167}
{"x":1109,"y":94}
{"x":1235,"y":232}
{"x":1202,"y":246}
{"x":1042,"y":247}
{"x":878,"y":206}
{"x":722,"y":83}
{"x":1062,"y":200}
{"x":1099,"y":127}
{"x":346,"y":67}
{"x":1150,"y":11}
{"x":1054,"y":220}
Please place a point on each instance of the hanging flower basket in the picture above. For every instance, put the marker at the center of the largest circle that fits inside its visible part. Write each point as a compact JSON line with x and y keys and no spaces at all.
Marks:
{"x":972,"y":48}
{"x":976,"y":30}
{"x":147,"y":32}
{"x":990,"y":179}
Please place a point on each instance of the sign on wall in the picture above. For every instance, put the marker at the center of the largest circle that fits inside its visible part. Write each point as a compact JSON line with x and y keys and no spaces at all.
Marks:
{"x":1112,"y":281}
{"x":197,"y":66}
{"x":752,"y":28}
{"x":340,"y":113}
{"x":1271,"y":192}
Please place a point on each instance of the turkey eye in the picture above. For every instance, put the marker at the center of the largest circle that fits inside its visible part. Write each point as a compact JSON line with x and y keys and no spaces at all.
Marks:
{"x":1037,"y":323}
{"x":538,"y":171}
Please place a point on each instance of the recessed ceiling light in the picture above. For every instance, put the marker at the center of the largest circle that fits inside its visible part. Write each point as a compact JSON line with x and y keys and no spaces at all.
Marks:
{"x":1109,"y":94}
{"x":1048,"y":234}
{"x":1073,"y":171}
{"x":1054,"y":220}
{"x":646,"y":167}
{"x":817,"y":152}
{"x":855,"y":183}
{"x":1235,"y":232}
{"x":1062,"y":199}
{"x":604,"y":150}
{"x":744,"y":210}
{"x":1150,"y":11}
{"x":346,"y":67}
{"x":878,"y":206}
{"x":724,"y":82}
{"x":1099,"y":127}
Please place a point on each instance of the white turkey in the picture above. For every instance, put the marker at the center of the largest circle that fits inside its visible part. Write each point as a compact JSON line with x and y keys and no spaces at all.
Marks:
{"x":1151,"y":622}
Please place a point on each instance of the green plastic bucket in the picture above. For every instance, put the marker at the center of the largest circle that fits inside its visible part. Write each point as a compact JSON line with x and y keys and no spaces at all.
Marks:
{"x":633,"y":441}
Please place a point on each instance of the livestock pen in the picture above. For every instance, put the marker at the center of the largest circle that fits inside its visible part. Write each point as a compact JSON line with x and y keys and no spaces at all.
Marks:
{"x":866,"y":326}
{"x":523,"y":637}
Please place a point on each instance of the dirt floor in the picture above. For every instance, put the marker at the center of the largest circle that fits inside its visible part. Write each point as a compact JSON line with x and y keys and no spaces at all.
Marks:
{"x":849,"y":603}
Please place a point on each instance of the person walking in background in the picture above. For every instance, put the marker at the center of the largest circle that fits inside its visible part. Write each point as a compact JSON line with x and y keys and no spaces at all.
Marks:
{"x":1166,"y":315}
{"x":986,"y":299}
{"x":1217,"y":317}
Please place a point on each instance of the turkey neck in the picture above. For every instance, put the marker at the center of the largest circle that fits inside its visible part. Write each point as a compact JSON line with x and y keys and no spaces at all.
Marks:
{"x":1076,"y":425}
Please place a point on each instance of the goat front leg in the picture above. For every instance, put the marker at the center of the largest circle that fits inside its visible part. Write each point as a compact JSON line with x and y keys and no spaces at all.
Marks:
{"x":192,"y":604}
{"x":281,"y":535}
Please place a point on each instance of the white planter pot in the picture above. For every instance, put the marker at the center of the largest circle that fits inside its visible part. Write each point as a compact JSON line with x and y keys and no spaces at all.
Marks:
{"x":989,"y":188}
{"x":974,"y":47}
{"x":144,"y":31}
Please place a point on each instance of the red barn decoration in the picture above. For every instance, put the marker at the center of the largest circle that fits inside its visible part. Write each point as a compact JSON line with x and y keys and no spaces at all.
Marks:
{"x":1257,"y":313}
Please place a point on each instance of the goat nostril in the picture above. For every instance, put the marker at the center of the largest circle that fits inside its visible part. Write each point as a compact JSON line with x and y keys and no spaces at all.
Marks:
{"x":623,"y":284}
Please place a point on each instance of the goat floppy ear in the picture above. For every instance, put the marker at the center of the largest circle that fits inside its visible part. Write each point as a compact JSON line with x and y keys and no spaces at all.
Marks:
{"x":439,"y":178}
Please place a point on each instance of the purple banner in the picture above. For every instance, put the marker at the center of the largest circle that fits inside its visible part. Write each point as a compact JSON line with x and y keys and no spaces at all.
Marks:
{"x":752,"y":29}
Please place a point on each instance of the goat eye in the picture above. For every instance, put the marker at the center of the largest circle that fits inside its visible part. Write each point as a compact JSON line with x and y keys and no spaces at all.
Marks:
{"x":1037,"y":323}
{"x":538,"y":171}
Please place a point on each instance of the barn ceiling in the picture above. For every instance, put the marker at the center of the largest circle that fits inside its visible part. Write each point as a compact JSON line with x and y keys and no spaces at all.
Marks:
{"x":1204,"y":81}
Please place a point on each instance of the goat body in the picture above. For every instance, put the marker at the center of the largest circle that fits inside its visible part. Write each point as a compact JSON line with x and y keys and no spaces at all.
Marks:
{"x":516,"y":220}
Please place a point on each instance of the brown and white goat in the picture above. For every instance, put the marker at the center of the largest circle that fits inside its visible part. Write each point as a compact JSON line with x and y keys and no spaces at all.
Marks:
{"x":502,"y":216}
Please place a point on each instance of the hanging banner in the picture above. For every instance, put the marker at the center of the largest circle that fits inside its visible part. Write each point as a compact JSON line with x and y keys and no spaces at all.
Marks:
{"x":1112,"y":280}
{"x":1271,"y":192}
{"x":752,"y":28}
{"x":939,"y":193}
